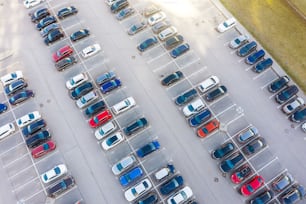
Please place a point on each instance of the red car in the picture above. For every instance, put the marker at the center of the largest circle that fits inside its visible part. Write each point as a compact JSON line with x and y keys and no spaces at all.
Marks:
{"x":249,"y":188}
{"x":100,"y":119}
{"x":43,"y":149}
{"x":241,"y":174}
{"x":208,"y":128}
{"x":62,"y":53}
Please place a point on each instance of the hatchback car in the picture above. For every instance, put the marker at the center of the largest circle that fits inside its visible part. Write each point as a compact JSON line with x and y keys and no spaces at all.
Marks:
{"x":156,"y":18}
{"x":131,"y":176}
{"x":67,"y":11}
{"x":252,"y":186}
{"x":65,"y":63}
{"x":21,"y":96}
{"x":172,"y":78}
{"x":124,"y":164}
{"x":10,"y":77}
{"x":54,"y":173}
{"x":167,"y":33}
{"x":33,"y":127}
{"x":247,"y":134}
{"x":158,"y":27}
{"x":241,"y":174}
{"x":118,"y":5}
{"x":105,"y":130}
{"x":294,"y":194}
{"x":81,"y":90}
{"x":43,"y":149}
{"x":137,"y":27}
{"x":95,"y":108}
{"x":255,"y":57}
{"x":137,"y":190}
{"x":286,"y":94}
{"x":200,"y":118}
{"x":15,"y":86}
{"x":78,"y":35}
{"x":53,"y":36}
{"x":27,"y":119}
{"x":76,"y":81}
{"x":45,"y":31}
{"x":39,"y":14}
{"x":6,"y":130}
{"x":110,"y":85}
{"x":230,"y":163}
{"x":193,"y":108}
{"x":90,"y":50}
{"x":148,"y":148}
{"x":100,"y":119}
{"x":45,"y":22}
{"x":123,"y":105}
{"x":179,"y":50}
{"x":278,"y":84}
{"x":263,"y":65}
{"x":61,"y":53}
{"x":124,"y":13}
{"x":171,"y":185}
{"x":208,"y":84}
{"x":226,"y":25}
{"x":179,"y":197}
{"x":87,"y":99}
{"x":293,"y":105}
{"x":186,"y":97}
{"x":247,"y":49}
{"x":222,"y":151}
{"x":112,"y":141}
{"x":174,"y":41}
{"x":299,"y":115}
{"x":105,"y":77}
{"x":281,"y":182}
{"x":208,"y":128}
{"x":38,"y":138}
{"x":216,"y":93}
{"x":254,"y":146}
{"x":150,"y":42}
{"x":238,"y":41}
{"x":135,"y":126}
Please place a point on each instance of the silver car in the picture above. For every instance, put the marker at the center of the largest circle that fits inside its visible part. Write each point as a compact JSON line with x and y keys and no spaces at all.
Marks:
{"x":123,"y":164}
{"x":293,"y":105}
{"x":238,"y":41}
{"x":247,"y":134}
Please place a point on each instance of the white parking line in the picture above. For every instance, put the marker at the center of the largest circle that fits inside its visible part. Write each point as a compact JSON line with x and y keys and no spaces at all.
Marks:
{"x":215,"y":101}
{"x":155,"y":58}
{"x":186,"y":65}
{"x":11,"y":149}
{"x":46,"y":156}
{"x":67,"y":191}
{"x":267,"y":164}
{"x":234,"y":51}
{"x":26,"y":183}
{"x":226,"y":110}
{"x":163,"y":66}
{"x":248,"y":68}
{"x":20,"y":157}
{"x":264,"y":86}
{"x":19,"y":172}
{"x":173,"y":85}
{"x":240,"y":60}
{"x":231,"y":121}
{"x":28,"y":198}
{"x":81,"y":22}
{"x":298,"y":126}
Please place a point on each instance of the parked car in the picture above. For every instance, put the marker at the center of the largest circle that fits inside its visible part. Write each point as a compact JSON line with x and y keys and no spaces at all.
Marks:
{"x":299,"y":115}
{"x":21,"y":96}
{"x":222,"y":151}
{"x":158,"y":27}
{"x":179,"y":50}
{"x":252,"y":186}
{"x":149,"y":199}
{"x":110,"y":85}
{"x":90,"y":50}
{"x":263,"y":65}
{"x":180,"y":196}
{"x":148,"y":148}
{"x":31,"y":3}
{"x":81,"y":90}
{"x":241,"y":174}
{"x":135,"y":126}
{"x":61,"y":186}
{"x":118,"y":5}
{"x":294,"y":194}
{"x":193,"y":108}
{"x":61,"y":53}
{"x":303,"y":126}
{"x":33,"y":127}
{"x":45,"y":22}
{"x":15,"y":86}
{"x":43,"y":149}
{"x":10,"y":77}
{"x":80,"y":34}
{"x":53,"y":36}
{"x":281,"y":182}
{"x":200,"y":118}
{"x":39,"y":14}
{"x":286,"y":94}
{"x":3,"y":107}
{"x":254,"y":146}
{"x":65,"y":63}
{"x":208,"y":128}
{"x":95,"y":108}
{"x":100,"y":119}
{"x":76,"y":81}
{"x":27,"y":119}
{"x":186,"y":97}
{"x":105,"y":77}
{"x":54,"y":173}
{"x":123,"y":165}
{"x":208,"y":84}
{"x":87,"y":99}
{"x":226,"y":25}
{"x":172,"y":78}
{"x":6,"y":130}
{"x":124,"y":13}
{"x":131,"y":176}
{"x":123,"y":105}
{"x":278,"y":84}
{"x":38,"y":138}
{"x":46,"y":30}
{"x":112,"y":141}
{"x":164,"y":172}
{"x":171,"y":185}
{"x":146,"y":44}
{"x":110,"y":2}
{"x":255,"y":57}
{"x":174,"y":41}
{"x":66,"y":11}
{"x":216,"y":93}
{"x":247,"y":134}
{"x":167,"y":33}
{"x":238,"y":41}
{"x":137,"y":190}
{"x":150,"y":10}
{"x":293,"y":105}
{"x":230,"y":163}
{"x":247,"y":49}
{"x":137,"y":27}
{"x":156,"y":18}
{"x":105,"y":130}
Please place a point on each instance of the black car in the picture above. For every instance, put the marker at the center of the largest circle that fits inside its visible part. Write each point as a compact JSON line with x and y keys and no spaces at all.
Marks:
{"x":38,"y":138}
{"x":67,"y":11}
{"x":172,"y":78}
{"x":255,"y":57}
{"x":299,"y":115}
{"x":135,"y":126}
{"x":149,"y":199}
{"x":263,"y":65}
{"x":254,"y":146}
{"x":247,"y":49}
{"x":263,"y":198}
{"x":223,"y":151}
{"x":39,"y":14}
{"x":81,"y":90}
{"x":216,"y":93}
{"x":95,"y":108}
{"x":171,"y":185}
{"x":65,"y":63}
{"x":21,"y":96}
{"x":79,"y":34}
{"x":278,"y":84}
{"x":186,"y":97}
{"x":53,"y":36}
{"x":286,"y":94}
{"x":45,"y":22}
{"x":118,"y":5}
{"x":61,"y":186}
{"x":15,"y":86}
{"x":33,"y":127}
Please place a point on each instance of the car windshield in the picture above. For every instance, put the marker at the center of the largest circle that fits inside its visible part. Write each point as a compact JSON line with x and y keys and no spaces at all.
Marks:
{"x":225,"y":24}
{"x":45,"y":146}
{"x":237,"y":41}
{"x":134,"y":28}
{"x":249,"y":187}
{"x":191,"y":108}
{"x":134,"y":192}
{"x":111,"y":140}
{"x":119,"y":166}
{"x":31,"y":116}
{"x":57,"y":170}
{"x":63,"y":185}
{"x":96,"y":119}
{"x":58,"y":53}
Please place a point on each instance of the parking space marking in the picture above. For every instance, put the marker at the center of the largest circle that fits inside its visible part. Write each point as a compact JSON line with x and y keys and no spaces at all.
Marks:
{"x":264,"y":86}
{"x":71,"y":26}
{"x":163,"y":66}
{"x":181,"y":81}
{"x":186,"y":65}
{"x":58,"y":5}
{"x":67,"y":191}
{"x":155,"y":58}
{"x":20,"y":157}
{"x":248,"y":68}
{"x":19,"y":172}
{"x":136,"y":15}
{"x":260,"y":74}
{"x":226,"y":109}
{"x":10,"y":149}
{"x":231,"y":121}
{"x":298,"y":126}
{"x":273,"y":95}
{"x":232,"y":52}
{"x":26,"y":183}
{"x":30,"y":197}
{"x":267,"y":164}
{"x":240,"y":60}
{"x":215,"y":101}
{"x":46,"y":156}
{"x":285,"y":170}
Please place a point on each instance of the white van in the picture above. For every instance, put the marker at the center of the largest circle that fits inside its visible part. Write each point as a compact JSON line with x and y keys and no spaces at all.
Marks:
{"x":164,"y":172}
{"x":208,"y":84}
{"x":6,"y":130}
{"x":123,"y":105}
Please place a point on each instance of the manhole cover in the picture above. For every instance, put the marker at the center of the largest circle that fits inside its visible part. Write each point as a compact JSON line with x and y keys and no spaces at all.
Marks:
{"x":216,"y":179}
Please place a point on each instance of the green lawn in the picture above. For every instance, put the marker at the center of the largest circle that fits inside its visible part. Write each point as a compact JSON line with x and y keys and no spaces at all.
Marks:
{"x":279,"y":29}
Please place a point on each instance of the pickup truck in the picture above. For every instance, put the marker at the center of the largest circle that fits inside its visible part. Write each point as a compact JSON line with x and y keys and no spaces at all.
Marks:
{"x":61,"y":186}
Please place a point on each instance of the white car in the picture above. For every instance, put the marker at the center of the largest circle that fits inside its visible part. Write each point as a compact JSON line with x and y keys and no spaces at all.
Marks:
{"x":9,"y":78}
{"x":112,"y":141}
{"x":87,"y":99}
{"x":180,"y":196}
{"x":292,"y":106}
{"x":137,"y":190}
{"x":31,"y":3}
{"x":76,"y":80}
{"x":110,"y":2}
{"x":157,"y":17}
{"x":123,"y":164}
{"x":54,"y":173}
{"x":304,"y":127}
{"x":90,"y":50}
{"x":123,"y":105}
{"x":193,"y":107}
{"x":226,"y":25}
{"x":209,"y":83}
{"x":27,"y":119}
{"x":167,"y":33}
{"x":238,"y":41}
{"x":105,"y":130}
{"x":6,"y":130}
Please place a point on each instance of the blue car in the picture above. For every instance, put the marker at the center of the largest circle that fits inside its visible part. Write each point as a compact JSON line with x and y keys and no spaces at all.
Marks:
{"x":81,"y":90}
{"x":67,"y":11}
{"x":45,"y":22}
{"x":172,"y":78}
{"x":299,"y":115}
{"x":33,"y":127}
{"x":105,"y":77}
{"x":3,"y":107}
{"x":150,"y":199}
{"x":171,"y":185}
{"x":131,"y":176}
{"x":118,"y":5}
{"x":223,"y":151}
{"x":124,"y":13}
{"x":200,"y":118}
{"x":278,"y":84}
{"x":15,"y":86}
{"x":230,"y":163}
{"x":21,"y":96}
{"x":147,"y":44}
{"x":216,"y":93}
{"x":95,"y":108}
{"x":148,"y":148}
{"x":38,"y":139}
{"x":263,"y":198}
{"x":255,"y":57}
{"x":44,"y":32}
{"x":263,"y":65}
{"x":293,"y":194}
{"x":110,"y":85}
{"x":247,"y":49}
{"x":286,"y":94}
{"x":179,"y":50}
{"x":186,"y":97}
